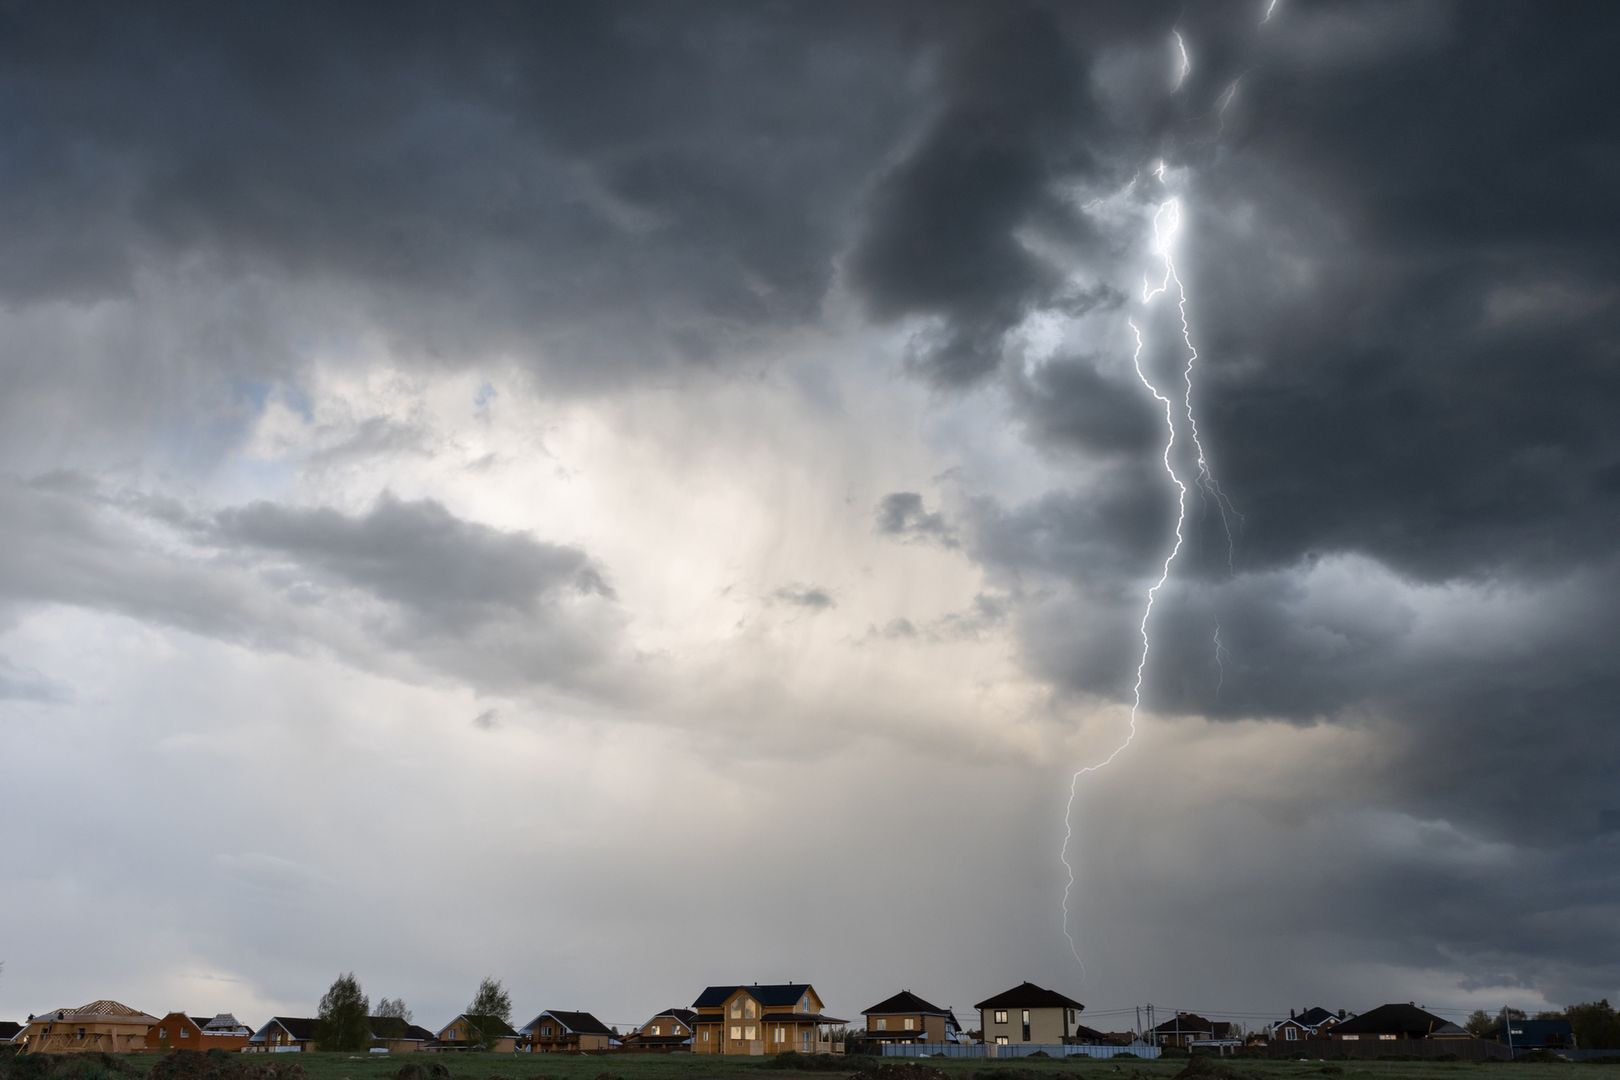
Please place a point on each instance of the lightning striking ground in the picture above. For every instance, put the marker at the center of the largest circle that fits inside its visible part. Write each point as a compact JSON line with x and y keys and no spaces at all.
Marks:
{"x":1142,"y":627}
{"x":1166,"y":225}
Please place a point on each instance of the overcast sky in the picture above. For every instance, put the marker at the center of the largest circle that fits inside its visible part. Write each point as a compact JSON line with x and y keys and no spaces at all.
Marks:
{"x":625,"y":497}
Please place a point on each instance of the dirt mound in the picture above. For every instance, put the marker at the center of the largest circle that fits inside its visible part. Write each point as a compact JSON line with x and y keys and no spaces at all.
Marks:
{"x":432,"y":1070}
{"x":899,"y":1072}
{"x":223,"y":1065}
{"x":88,"y":1066}
{"x":1204,"y":1067}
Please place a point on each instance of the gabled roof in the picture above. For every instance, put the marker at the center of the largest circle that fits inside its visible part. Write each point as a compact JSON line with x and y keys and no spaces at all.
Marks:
{"x":9,"y":1030}
{"x":105,"y":1009}
{"x":577,"y":1023}
{"x":301,"y":1028}
{"x":222,"y":1022}
{"x":492,"y":1026}
{"x":396,"y":1029}
{"x":1186,"y":1023}
{"x":906,"y":1002}
{"x":685,"y":1016}
{"x":1316,"y":1016}
{"x":1026,"y":995}
{"x":768,"y":994}
{"x":1397,"y":1019}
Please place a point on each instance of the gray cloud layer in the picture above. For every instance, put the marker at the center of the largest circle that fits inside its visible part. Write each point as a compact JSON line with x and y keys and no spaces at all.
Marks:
{"x":1401,"y":249}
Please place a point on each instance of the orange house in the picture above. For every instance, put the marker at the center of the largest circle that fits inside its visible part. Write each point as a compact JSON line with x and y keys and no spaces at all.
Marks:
{"x":763,"y":1019}
{"x":101,"y":1025}
{"x":177,"y":1031}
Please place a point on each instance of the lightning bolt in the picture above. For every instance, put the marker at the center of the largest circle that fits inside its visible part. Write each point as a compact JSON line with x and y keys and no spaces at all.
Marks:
{"x":1142,"y":628}
{"x":1184,"y":62}
{"x":1271,"y":9}
{"x":1166,"y":226}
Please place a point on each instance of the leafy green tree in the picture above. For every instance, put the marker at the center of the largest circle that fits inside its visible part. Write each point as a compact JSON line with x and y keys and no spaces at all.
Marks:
{"x":344,"y":1023}
{"x":490,"y":1012}
{"x":1596,"y":1025}
{"x":1479,"y":1022}
{"x":395,"y":1007}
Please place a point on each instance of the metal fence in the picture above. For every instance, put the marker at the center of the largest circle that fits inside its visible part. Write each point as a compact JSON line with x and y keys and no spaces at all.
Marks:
{"x":1013,"y":1050}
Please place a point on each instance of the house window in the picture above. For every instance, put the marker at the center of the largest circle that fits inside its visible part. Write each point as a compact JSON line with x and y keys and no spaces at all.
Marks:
{"x":1001,"y":1040}
{"x":751,"y":1032}
{"x":882,"y":1025}
{"x":748,"y":1008}
{"x":781,"y":1033}
{"x":804,"y":1006}
{"x":736,"y":1008}
{"x":705,"y":1034}
{"x":1390,"y":1038}
{"x":1001,"y":1016}
{"x":1291,"y":1034}
{"x":911,"y":1024}
{"x":1349,"y":1038}
{"x":185,"y":1033}
{"x":546,"y":1031}
{"x":736,"y":1032}
{"x":163,"y":1033}
{"x":1026,"y":1025}
{"x":658,"y":1029}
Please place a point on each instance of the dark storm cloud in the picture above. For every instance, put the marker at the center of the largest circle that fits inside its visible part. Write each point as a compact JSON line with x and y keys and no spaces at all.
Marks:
{"x":419,"y":555}
{"x":942,"y":233}
{"x":1403,"y":285}
{"x":594,"y":190}
{"x":501,"y":609}
{"x":903,"y":514}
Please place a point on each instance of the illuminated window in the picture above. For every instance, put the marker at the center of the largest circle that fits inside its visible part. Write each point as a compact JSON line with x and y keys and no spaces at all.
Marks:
{"x":1001,"y":1040}
{"x":882,"y":1025}
{"x":736,"y":1008}
{"x":911,"y":1024}
{"x":658,"y":1029}
{"x":752,"y":1032}
{"x":1388,"y":1037}
{"x":1001,"y":1016}
{"x":748,"y":1008}
{"x":736,"y":1032}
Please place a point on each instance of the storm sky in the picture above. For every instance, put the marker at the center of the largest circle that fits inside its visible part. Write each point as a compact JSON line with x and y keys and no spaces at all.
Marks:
{"x":625,"y":497}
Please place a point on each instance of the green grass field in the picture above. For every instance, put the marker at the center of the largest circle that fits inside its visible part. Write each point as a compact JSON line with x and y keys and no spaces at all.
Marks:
{"x":690,"y":1067}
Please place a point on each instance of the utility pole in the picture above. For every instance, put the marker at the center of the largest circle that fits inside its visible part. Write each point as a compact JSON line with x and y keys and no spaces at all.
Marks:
{"x":1507,"y":1026}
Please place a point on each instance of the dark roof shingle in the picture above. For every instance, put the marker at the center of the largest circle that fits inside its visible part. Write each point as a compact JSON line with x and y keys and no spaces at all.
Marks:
{"x":1396,"y":1019}
{"x":1026,"y":995}
{"x":905,"y":1002}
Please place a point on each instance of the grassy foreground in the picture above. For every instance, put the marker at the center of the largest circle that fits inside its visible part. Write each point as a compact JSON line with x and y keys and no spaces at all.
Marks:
{"x":693,"y":1067}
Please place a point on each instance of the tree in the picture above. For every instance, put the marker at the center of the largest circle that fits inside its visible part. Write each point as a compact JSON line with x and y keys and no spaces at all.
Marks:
{"x":344,"y":1023}
{"x":1595,"y":1024}
{"x":1479,"y":1022}
{"x":395,"y":1007}
{"x":490,"y":1012}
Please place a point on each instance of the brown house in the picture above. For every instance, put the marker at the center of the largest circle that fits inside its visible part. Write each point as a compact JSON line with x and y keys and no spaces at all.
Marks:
{"x":1184,"y":1029}
{"x":763,"y":1019}
{"x":177,"y":1031}
{"x":474,"y":1033}
{"x":556,"y":1029}
{"x":1393,"y":1023}
{"x":108,"y":1026}
{"x":397,"y":1035}
{"x":282,"y":1034}
{"x":905,"y":1017}
{"x":670,"y":1031}
{"x":1028,"y":1014}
